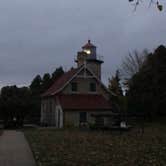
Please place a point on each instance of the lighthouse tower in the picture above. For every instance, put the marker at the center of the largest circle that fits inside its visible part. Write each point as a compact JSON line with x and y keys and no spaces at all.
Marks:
{"x":88,"y":55}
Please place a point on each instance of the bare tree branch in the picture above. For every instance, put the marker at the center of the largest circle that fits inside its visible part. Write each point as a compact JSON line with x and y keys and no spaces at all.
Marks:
{"x":132,"y":64}
{"x":135,"y":3}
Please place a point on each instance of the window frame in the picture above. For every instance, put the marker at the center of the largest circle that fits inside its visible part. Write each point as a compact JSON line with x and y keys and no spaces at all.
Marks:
{"x":83,"y":117}
{"x":92,"y":87}
{"x":74,"y":87}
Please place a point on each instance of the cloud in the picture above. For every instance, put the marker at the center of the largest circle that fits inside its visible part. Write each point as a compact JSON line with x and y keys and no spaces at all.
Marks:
{"x":38,"y":36}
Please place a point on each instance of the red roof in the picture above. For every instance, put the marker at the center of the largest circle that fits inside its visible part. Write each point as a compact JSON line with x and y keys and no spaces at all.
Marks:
{"x":84,"y":102}
{"x":88,"y":45}
{"x":60,"y":82}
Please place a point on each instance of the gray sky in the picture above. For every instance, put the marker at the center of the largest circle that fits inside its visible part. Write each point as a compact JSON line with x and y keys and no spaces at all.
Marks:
{"x":37,"y":36}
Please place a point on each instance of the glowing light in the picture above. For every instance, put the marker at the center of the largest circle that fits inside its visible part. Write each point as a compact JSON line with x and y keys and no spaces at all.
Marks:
{"x":87,"y":51}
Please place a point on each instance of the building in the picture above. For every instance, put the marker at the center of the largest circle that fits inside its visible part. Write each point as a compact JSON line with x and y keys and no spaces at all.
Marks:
{"x":78,"y":95}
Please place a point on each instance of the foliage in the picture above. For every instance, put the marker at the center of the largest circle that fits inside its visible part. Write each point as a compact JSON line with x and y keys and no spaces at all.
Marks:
{"x":147,"y":87}
{"x":14,"y":103}
{"x":24,"y":102}
{"x":57,"y":73}
{"x":117,"y":98}
{"x":36,"y":85}
{"x":46,"y":81}
{"x":114,"y":84}
{"x":73,"y":147}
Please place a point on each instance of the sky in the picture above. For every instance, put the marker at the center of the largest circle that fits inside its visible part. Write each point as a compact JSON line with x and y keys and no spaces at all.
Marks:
{"x":37,"y":36}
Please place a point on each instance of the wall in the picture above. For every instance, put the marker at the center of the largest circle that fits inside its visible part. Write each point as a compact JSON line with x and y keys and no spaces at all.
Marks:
{"x":72,"y":118}
{"x":48,"y":107}
{"x":83,"y":87}
{"x":95,"y":68}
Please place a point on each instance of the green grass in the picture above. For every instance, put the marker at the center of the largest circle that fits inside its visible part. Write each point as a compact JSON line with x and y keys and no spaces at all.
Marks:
{"x":80,"y":148}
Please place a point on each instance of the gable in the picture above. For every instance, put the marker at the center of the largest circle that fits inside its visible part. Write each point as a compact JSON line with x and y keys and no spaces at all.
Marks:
{"x":81,"y":74}
{"x":60,"y":82}
{"x":84,"y":85}
{"x":85,"y":73}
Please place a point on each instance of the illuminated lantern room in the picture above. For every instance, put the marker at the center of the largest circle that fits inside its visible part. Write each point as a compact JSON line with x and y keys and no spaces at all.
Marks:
{"x":88,"y":55}
{"x":90,"y":50}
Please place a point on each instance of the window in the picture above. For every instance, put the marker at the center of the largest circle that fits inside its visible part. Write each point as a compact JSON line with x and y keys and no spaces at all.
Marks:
{"x":83,"y":117}
{"x":74,"y":87}
{"x":92,"y":87}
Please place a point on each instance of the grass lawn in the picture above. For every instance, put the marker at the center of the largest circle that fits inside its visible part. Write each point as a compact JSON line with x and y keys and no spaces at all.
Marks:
{"x":81,"y":148}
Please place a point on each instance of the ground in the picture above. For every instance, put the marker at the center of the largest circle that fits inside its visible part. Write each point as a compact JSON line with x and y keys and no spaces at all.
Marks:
{"x":73,"y":147}
{"x":1,"y":131}
{"x":14,"y":149}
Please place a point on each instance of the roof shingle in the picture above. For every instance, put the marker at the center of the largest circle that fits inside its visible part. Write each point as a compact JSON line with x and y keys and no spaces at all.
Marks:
{"x":84,"y":102}
{"x":60,"y":82}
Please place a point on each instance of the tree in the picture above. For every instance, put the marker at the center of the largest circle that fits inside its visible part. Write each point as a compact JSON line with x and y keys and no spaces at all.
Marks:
{"x":57,"y":73}
{"x":114,"y":84}
{"x":24,"y":102}
{"x":14,"y":103}
{"x":36,"y":90}
{"x":117,"y":94}
{"x":131,"y":65}
{"x":147,"y":87}
{"x":155,"y":2}
{"x":36,"y":85}
{"x":46,"y":82}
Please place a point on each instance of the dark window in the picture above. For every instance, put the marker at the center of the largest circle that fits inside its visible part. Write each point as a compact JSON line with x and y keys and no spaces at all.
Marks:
{"x":74,"y":87}
{"x":92,"y":87}
{"x":83,"y":117}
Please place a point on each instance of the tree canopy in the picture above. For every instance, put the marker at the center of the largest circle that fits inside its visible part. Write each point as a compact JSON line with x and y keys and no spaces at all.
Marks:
{"x":114,"y":84}
{"x":24,"y":103}
{"x":147,"y":90}
{"x":14,"y":103}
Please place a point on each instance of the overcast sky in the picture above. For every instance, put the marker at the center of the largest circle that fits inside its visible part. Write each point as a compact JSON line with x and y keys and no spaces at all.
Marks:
{"x":37,"y":36}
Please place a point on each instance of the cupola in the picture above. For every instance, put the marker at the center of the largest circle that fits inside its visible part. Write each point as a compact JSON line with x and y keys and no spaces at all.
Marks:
{"x":89,"y":49}
{"x":88,"y":56}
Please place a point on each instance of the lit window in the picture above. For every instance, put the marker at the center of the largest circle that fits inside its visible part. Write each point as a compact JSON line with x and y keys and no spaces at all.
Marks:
{"x":74,"y":87}
{"x":92,"y":87}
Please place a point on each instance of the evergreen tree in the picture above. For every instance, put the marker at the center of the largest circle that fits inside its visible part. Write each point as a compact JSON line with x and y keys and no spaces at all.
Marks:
{"x":36,"y":90}
{"x":36,"y":85}
{"x":14,"y":103}
{"x":147,"y":91}
{"x":46,"y":82}
{"x":57,"y":73}
{"x":116,"y":93}
{"x":114,"y":84}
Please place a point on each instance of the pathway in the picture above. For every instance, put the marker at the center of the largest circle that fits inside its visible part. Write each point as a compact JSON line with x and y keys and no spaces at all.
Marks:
{"x":14,"y":149}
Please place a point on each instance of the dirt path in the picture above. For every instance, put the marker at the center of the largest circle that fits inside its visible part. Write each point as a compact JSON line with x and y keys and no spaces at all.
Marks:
{"x":14,"y":150}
